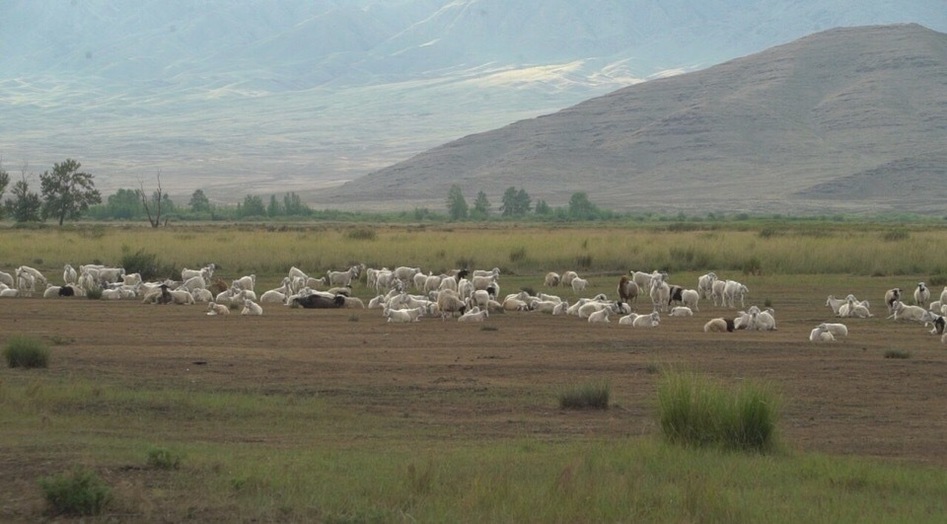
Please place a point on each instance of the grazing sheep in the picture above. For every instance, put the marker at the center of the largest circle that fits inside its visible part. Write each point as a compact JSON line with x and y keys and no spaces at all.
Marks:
{"x":821,"y":334}
{"x":732,"y":291}
{"x":552,"y":279}
{"x":343,"y":278}
{"x":7,"y":279}
{"x":627,"y":290}
{"x":69,"y":275}
{"x":719,"y":325}
{"x":567,"y":278}
{"x":922,"y":295}
{"x":579,"y":284}
{"x":681,"y":311}
{"x":448,"y":302}
{"x":214,"y":308}
{"x":690,"y":298}
{"x":717,"y":293}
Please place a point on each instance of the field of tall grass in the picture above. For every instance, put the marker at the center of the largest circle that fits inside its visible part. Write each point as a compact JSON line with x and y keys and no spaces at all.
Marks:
{"x":855,"y":249}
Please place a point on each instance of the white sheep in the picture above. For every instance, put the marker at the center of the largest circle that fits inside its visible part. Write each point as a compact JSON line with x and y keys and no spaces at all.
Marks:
{"x":690,"y":298}
{"x":837,"y":329}
{"x":705,"y":284}
{"x":181,"y":296}
{"x":718,"y":325}
{"x":660,"y":294}
{"x":69,"y":274}
{"x":7,"y":279}
{"x":579,"y":284}
{"x":448,"y":303}
{"x":600,"y":316}
{"x":856,"y":309}
{"x":821,"y":334}
{"x":628,"y":290}
{"x":681,"y":311}
{"x":717,"y":293}
{"x":762,"y":320}
{"x":567,"y":278}
{"x":903,"y":311}
{"x":922,"y":295}
{"x":835,"y":303}
{"x":251,"y":308}
{"x":217,"y":309}
{"x":343,"y":278}
{"x":732,"y":291}
{"x":652,"y":320}
{"x":474,"y":314}
{"x":247,"y":282}
{"x":404,"y":315}
{"x":891,"y":296}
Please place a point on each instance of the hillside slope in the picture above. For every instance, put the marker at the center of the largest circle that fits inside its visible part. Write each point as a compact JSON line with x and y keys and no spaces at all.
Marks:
{"x":833,"y":121}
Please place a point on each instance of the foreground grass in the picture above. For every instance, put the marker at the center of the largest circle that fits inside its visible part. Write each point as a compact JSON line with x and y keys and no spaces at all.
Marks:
{"x":250,"y":456}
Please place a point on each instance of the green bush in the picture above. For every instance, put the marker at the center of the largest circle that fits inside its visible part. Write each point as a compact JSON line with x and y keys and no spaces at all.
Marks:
{"x":163,"y":458}
{"x":94,"y":293}
{"x":897,"y":353}
{"x":694,"y":411}
{"x":27,"y":353}
{"x":141,"y":262}
{"x":80,"y":492}
{"x":588,"y":396}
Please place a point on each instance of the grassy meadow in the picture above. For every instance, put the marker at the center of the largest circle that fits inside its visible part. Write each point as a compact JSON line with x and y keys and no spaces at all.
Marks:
{"x":333,"y":463}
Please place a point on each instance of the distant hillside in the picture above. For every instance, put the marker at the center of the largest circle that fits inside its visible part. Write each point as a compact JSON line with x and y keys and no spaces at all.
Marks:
{"x":264,"y":96}
{"x":845,"y":120}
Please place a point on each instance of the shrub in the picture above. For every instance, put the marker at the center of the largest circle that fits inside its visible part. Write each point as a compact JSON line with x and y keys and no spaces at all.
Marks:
{"x":25,"y":352}
{"x":583,"y":261}
{"x":362,"y":233}
{"x":146,"y":264}
{"x":897,"y":353}
{"x":163,"y":458}
{"x":895,"y":235}
{"x":94,"y":293}
{"x":588,"y":396}
{"x":694,"y":411}
{"x":80,"y":492}
{"x":518,"y":255}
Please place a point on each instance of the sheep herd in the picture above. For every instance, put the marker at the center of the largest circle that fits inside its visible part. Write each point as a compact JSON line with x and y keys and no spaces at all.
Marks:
{"x":407,"y":294}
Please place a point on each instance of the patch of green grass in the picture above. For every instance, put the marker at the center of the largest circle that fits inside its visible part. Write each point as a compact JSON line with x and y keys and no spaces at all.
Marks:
{"x":585,"y":396}
{"x":78,"y":493}
{"x":25,"y":352}
{"x":695,"y":411}
{"x":163,"y":458}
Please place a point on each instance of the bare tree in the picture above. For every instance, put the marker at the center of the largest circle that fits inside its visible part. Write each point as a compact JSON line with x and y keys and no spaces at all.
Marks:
{"x":154,"y":215}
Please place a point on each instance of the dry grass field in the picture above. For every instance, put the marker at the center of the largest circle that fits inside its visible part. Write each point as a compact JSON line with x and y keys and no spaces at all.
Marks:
{"x":436,"y":381}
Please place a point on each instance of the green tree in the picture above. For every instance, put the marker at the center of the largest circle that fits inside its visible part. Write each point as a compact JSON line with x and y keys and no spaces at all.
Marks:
{"x":252,"y":206}
{"x":456,"y":205}
{"x":24,"y":206}
{"x":67,"y":192}
{"x":123,"y":204}
{"x":580,"y":208}
{"x":481,"y":209}
{"x":274,"y":209}
{"x":4,"y":182}
{"x":294,"y":206}
{"x":199,"y":202}
{"x":515,"y":203}
{"x":542,"y":208}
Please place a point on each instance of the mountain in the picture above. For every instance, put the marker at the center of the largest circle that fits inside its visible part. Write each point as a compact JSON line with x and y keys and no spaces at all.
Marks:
{"x":848,"y":119}
{"x":267,"y":96}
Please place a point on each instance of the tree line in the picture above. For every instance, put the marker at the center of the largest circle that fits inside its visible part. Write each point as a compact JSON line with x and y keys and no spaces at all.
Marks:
{"x":516,"y":203}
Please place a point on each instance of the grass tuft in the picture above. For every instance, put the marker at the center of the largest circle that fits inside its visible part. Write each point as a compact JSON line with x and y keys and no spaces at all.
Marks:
{"x":79,"y":493}
{"x":586,"y":396}
{"x":694,"y":411}
{"x":897,"y":353}
{"x":27,"y":353}
{"x":163,"y":458}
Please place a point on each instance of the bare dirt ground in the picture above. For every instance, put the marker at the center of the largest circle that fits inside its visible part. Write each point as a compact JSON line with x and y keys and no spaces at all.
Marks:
{"x":840,"y":398}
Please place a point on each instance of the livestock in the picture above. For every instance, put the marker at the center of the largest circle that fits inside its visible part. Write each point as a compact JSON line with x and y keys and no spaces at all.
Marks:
{"x":7,"y":279}
{"x":600,"y":316}
{"x":214,"y":308}
{"x":107,"y":275}
{"x":545,"y":306}
{"x":495,"y":273}
{"x":67,"y":290}
{"x":158,"y":295}
{"x":891,"y":296}
{"x":821,"y":334}
{"x":593,"y":306}
{"x":856,"y":309}
{"x":432,"y":282}
{"x":479,"y":298}
{"x":837,"y":329}
{"x":181,"y":297}
{"x":552,"y":279}
{"x":943,"y":296}
{"x":52,"y":291}
{"x":131,"y":279}
{"x":25,"y":283}
{"x":247,"y":282}
{"x":118,"y":293}
{"x":835,"y":303}
{"x":515,"y":304}
{"x":251,"y":308}
{"x":681,"y":311}
{"x":474,"y":315}
{"x":674,"y":294}
{"x":35,"y":273}
{"x":628,"y":319}
{"x":483,"y":282}
{"x":404,"y":315}
{"x":342,"y":278}
{"x":448,"y":303}
{"x":705,"y":284}
{"x":762,"y":320}
{"x":936,"y":320}
{"x":922,"y":295}
{"x":202,"y":295}
{"x":903,"y":311}
{"x":660,"y":294}
{"x":690,"y":298}
{"x":567,"y":278}
{"x":69,"y":274}
{"x":719,"y":325}
{"x":318,"y":301}
{"x":193,"y":283}
{"x":405,"y":273}
{"x":718,"y":292}
{"x":627,"y":290}
{"x":652,"y":320}
{"x":732,"y":291}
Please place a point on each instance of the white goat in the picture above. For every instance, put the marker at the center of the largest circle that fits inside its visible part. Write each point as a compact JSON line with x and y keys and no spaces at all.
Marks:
{"x":732,"y":290}
{"x":217,"y":309}
{"x":837,"y":329}
{"x":705,"y":284}
{"x":821,"y":334}
{"x":251,"y":308}
{"x":600,"y":316}
{"x":475,"y":314}
{"x":404,"y":315}
{"x":681,"y":311}
{"x":903,"y":311}
{"x":922,"y":295}
{"x":578,"y":284}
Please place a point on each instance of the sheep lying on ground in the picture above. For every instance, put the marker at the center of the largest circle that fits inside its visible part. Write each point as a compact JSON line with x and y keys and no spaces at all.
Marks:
{"x":251,"y":308}
{"x":821,"y":334}
{"x":719,"y":325}
{"x":404,"y":315}
{"x":838,"y":330}
{"x":903,"y":311}
{"x":681,"y":311}
{"x":474,"y":314}
{"x":600,"y":316}
{"x":214,"y":308}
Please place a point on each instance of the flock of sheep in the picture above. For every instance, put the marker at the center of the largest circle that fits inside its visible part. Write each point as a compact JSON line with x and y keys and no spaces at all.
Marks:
{"x":470,"y":296}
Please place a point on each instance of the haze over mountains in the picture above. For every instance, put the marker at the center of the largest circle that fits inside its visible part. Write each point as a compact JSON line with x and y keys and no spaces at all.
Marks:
{"x":268,"y":96}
